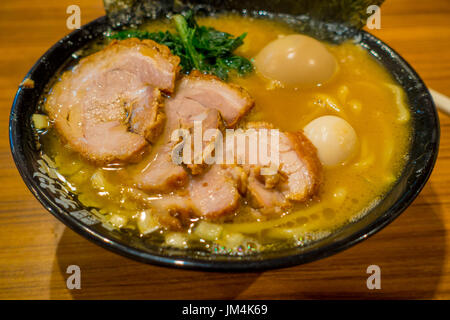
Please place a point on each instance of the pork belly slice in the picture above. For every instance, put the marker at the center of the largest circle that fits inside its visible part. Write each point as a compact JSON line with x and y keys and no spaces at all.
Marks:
{"x":267,"y":200}
{"x":172,"y":211}
{"x":182,"y":113}
{"x":150,"y":62}
{"x":231,"y":100}
{"x":108,"y":107}
{"x":214,"y":194}
{"x":298,"y":177}
{"x":211,"y":195}
{"x":161,"y":175}
{"x":300,"y":166}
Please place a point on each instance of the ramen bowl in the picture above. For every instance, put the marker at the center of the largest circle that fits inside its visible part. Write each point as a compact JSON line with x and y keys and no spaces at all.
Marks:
{"x":49,"y":191}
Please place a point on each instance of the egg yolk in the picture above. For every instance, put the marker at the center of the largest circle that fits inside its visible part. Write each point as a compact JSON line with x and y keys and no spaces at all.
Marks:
{"x":296,"y":60}
{"x":334,"y":138}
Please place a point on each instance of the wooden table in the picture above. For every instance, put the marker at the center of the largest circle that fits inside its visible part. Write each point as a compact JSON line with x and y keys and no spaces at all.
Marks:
{"x":35,"y":248}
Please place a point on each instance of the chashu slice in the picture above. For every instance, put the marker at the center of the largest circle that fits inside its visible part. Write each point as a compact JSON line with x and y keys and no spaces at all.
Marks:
{"x":161,"y":174}
{"x":297,"y":179}
{"x":230,"y":100}
{"x":108,"y":107}
{"x":214,"y":193}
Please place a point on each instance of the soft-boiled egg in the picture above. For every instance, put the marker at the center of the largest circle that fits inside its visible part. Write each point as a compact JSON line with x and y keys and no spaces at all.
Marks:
{"x":334,"y":138}
{"x":296,"y":60}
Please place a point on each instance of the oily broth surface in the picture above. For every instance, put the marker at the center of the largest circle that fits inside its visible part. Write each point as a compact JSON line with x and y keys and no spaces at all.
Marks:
{"x":361,"y":92}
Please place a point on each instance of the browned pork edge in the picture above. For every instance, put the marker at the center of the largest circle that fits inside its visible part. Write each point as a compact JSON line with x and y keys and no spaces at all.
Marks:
{"x":308,"y":152}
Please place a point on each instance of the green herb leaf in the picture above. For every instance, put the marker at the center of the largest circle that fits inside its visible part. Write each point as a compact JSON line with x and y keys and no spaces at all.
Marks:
{"x":199,"y":47}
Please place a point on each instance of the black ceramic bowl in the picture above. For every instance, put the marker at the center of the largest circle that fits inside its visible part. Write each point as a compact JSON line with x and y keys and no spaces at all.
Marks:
{"x":65,"y":207}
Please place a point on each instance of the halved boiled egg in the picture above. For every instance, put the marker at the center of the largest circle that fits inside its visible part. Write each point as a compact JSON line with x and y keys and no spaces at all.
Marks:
{"x":296,"y":60}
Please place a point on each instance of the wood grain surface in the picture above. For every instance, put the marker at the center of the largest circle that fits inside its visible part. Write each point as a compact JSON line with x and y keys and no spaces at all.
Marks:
{"x":35,"y":249}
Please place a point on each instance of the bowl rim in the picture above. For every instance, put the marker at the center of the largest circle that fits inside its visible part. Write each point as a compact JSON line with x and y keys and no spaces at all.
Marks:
{"x":222,"y":265}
